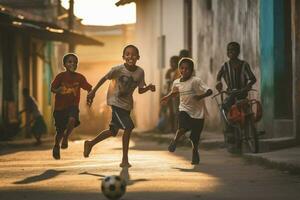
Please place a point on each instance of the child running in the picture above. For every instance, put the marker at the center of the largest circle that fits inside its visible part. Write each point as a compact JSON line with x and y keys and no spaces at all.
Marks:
{"x":192,"y":92}
{"x":125,"y":78}
{"x":66,"y":87}
{"x":36,"y":121}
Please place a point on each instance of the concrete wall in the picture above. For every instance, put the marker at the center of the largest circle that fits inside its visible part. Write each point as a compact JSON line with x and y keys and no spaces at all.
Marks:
{"x":215,"y":25}
{"x":148,"y":30}
{"x":172,"y":28}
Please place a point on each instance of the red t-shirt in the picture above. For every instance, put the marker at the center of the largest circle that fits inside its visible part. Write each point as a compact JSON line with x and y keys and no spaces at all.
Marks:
{"x":71,"y":84}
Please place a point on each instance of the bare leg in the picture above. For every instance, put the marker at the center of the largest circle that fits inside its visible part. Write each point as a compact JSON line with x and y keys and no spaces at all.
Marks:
{"x":125,"y":142}
{"x":195,"y":156}
{"x":88,"y":144}
{"x":37,"y":136}
{"x":70,"y":127}
{"x":56,"y":147}
{"x":178,"y":135}
{"x":58,"y":138}
{"x":172,"y":145}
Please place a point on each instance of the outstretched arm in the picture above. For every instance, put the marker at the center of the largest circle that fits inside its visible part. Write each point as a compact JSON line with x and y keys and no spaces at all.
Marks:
{"x":220,"y":74}
{"x":146,"y":88}
{"x":206,"y":94}
{"x":92,"y":93}
{"x":173,"y":93}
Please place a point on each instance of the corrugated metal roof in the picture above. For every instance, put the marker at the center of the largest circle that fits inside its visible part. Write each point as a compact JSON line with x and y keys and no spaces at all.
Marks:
{"x":123,"y":2}
{"x":43,"y":30}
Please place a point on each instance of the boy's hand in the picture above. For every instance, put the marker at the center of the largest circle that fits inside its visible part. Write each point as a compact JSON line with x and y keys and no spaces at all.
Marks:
{"x":89,"y":101}
{"x":164,"y":100}
{"x":90,"y":98}
{"x":219,"y":86}
{"x":58,"y":90}
{"x":151,"y":87}
{"x":91,"y":95}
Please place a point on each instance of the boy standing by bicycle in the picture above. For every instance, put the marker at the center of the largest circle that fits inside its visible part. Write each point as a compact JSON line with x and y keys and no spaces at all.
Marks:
{"x":237,"y":75}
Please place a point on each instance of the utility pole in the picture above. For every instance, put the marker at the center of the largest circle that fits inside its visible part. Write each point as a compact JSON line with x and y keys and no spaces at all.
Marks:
{"x":71,"y":23}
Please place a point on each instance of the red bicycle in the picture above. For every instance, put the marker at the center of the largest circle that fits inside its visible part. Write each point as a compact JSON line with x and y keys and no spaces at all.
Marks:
{"x":242,"y":116}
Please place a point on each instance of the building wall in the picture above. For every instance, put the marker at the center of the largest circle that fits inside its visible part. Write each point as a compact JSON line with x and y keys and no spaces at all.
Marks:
{"x":296,"y":68}
{"x":148,"y":32}
{"x":172,"y":23}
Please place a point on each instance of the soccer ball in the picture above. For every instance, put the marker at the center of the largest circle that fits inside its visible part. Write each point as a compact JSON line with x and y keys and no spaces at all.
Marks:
{"x":113,"y":187}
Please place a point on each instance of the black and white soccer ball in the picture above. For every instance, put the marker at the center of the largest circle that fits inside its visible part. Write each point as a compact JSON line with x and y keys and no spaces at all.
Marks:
{"x":113,"y":187}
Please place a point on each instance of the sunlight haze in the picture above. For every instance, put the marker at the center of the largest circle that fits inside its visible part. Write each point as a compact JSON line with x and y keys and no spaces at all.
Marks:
{"x":103,"y":12}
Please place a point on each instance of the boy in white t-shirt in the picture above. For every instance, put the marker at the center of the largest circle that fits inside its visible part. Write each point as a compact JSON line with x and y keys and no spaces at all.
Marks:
{"x":192,"y":109}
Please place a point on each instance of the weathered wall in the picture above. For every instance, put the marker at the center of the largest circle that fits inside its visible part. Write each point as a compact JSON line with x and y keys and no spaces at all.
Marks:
{"x":148,"y":30}
{"x":215,"y":25}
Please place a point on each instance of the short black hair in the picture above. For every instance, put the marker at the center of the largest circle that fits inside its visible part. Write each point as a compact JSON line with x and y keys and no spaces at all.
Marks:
{"x":69,"y":55}
{"x":188,"y":61}
{"x":235,"y":44}
{"x":175,"y":58}
{"x":184,"y":53}
{"x":130,"y":45}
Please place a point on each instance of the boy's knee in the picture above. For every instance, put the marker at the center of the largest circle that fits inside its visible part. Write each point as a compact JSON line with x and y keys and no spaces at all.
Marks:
{"x":128,"y":131}
{"x":182,"y":130}
{"x":113,"y":131}
{"x":71,"y":122}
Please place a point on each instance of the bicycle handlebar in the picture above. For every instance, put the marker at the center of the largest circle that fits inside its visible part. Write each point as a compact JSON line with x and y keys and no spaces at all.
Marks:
{"x":233,"y":92}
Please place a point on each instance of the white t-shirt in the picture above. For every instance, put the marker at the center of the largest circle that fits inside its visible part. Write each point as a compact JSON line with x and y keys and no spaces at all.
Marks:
{"x":187,"y":90}
{"x":122,"y":85}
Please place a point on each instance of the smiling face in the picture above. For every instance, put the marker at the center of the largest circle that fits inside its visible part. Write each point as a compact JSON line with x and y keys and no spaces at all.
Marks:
{"x":70,"y":63}
{"x":130,"y":56}
{"x":186,"y":70}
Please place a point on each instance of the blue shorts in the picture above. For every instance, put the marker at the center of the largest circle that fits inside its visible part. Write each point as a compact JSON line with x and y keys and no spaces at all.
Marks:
{"x":120,"y":119}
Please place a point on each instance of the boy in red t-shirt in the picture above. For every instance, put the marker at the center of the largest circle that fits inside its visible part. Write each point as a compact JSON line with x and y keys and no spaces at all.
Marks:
{"x":66,"y":87}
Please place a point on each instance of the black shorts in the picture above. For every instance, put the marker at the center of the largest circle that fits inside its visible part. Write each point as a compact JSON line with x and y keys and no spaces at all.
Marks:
{"x":39,"y":126}
{"x":120,"y":119}
{"x":61,"y":118}
{"x":188,"y":123}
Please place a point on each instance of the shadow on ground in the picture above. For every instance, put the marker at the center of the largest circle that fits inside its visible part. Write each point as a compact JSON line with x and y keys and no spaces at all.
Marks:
{"x":9,"y":148}
{"x":51,"y":173}
{"x":124,"y":173}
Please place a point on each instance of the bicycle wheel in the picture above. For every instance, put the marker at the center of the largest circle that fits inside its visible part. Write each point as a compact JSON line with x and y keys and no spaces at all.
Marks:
{"x":251,"y":137}
{"x":238,"y":140}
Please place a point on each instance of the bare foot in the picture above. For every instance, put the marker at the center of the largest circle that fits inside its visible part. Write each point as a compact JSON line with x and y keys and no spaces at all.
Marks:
{"x":64,"y":143}
{"x":56,"y":152}
{"x":87,"y":147}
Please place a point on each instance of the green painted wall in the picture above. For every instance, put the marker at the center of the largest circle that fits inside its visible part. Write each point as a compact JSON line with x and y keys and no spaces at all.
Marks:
{"x":267,"y":60}
{"x":1,"y":82}
{"x":275,"y":62}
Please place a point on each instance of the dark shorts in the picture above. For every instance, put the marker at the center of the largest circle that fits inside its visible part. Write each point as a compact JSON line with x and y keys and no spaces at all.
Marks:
{"x":39,"y":126}
{"x":194,"y":125}
{"x":120,"y":119}
{"x":61,"y":118}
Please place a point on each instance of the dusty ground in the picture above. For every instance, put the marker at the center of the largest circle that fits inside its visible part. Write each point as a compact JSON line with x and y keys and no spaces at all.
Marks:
{"x":30,"y":173}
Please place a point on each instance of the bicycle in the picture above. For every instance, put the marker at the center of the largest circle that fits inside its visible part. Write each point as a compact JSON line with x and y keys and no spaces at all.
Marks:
{"x":242,"y":118}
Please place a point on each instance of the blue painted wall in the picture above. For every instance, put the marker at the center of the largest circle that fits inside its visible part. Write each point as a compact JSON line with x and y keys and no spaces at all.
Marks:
{"x":276,"y":70}
{"x":267,"y":59}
